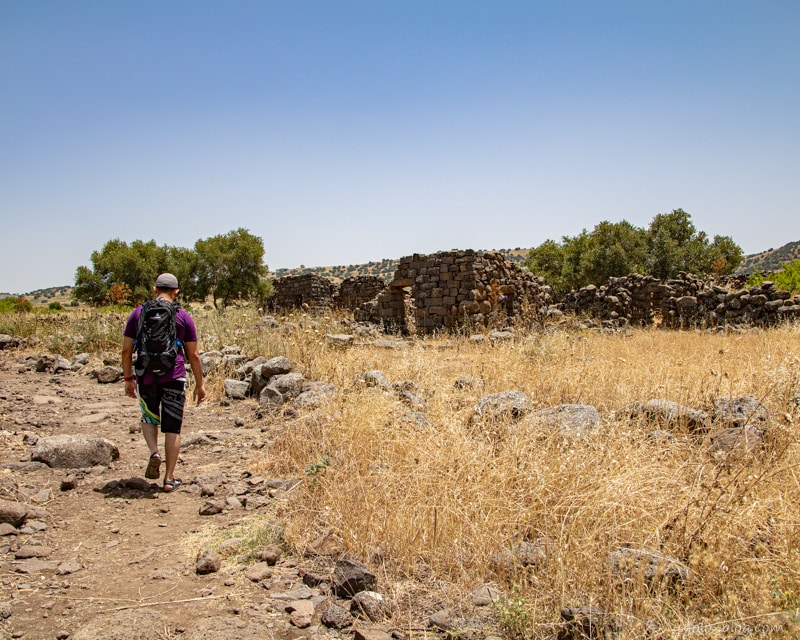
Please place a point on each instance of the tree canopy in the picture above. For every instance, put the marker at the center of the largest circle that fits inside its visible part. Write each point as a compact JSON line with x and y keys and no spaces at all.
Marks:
{"x":670,"y":244}
{"x":227,"y":267}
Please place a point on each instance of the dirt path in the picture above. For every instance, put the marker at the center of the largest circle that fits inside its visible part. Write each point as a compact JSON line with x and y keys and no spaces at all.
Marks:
{"x":122,"y":560}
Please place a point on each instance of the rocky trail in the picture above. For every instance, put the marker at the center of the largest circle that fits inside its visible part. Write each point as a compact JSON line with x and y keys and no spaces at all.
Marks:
{"x":97,"y":551}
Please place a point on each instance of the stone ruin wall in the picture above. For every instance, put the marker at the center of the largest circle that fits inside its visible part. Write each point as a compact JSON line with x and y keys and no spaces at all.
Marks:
{"x":684,"y":302}
{"x":447,"y":290}
{"x":357,"y":290}
{"x":319,"y":293}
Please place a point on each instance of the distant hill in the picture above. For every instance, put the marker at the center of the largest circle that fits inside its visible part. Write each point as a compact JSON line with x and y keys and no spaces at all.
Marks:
{"x":43,"y":297}
{"x":771,"y":259}
{"x":383,"y":269}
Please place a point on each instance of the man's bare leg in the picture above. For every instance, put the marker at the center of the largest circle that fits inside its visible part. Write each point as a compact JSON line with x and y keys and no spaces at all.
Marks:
{"x":150,"y":433}
{"x":172,"y":446}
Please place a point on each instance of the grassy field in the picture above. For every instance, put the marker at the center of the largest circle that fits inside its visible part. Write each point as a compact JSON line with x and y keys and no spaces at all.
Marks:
{"x":427,"y":503}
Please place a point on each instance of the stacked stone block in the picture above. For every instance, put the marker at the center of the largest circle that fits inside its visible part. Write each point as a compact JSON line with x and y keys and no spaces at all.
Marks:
{"x":453,"y":289}
{"x":683,"y":302}
{"x":311,"y":290}
{"x":357,"y":290}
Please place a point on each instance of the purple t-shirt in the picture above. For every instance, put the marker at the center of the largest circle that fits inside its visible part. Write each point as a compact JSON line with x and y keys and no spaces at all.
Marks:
{"x":185,"y":332}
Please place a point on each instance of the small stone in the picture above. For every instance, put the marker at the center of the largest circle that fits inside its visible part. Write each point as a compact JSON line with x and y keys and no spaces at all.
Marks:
{"x":336,"y":617}
{"x":32,"y":551}
{"x":300,"y":612}
{"x":69,"y":567}
{"x":270,"y":554}
{"x":258,"y":572}
{"x":208,"y":562}
{"x":211,"y":508}
{"x":69,"y":483}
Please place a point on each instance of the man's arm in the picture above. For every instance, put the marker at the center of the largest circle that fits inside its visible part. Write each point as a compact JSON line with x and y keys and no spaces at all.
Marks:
{"x":127,"y":366}
{"x":193,"y":356}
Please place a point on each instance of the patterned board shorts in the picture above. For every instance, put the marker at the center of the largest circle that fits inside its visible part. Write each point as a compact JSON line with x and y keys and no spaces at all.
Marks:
{"x":162,"y":404}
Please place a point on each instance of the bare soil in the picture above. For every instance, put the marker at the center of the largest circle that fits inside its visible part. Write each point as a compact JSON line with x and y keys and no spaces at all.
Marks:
{"x":136,"y":549}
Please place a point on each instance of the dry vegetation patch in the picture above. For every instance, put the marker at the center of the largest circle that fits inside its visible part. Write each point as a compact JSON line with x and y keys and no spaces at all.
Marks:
{"x":429,"y":497}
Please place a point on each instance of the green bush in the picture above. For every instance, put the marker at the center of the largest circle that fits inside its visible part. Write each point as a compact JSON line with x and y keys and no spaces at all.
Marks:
{"x":787,"y":279}
{"x":55,"y":306}
{"x":14,"y":304}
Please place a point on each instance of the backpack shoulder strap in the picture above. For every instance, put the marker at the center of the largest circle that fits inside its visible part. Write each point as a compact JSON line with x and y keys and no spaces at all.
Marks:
{"x":140,"y":323}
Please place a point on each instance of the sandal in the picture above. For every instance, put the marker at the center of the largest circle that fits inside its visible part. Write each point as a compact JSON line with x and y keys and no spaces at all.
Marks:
{"x":153,"y":466}
{"x":171,"y":485}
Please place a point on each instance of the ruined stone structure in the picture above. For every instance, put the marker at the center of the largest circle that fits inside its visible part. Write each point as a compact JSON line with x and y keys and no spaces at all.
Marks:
{"x":357,"y":290}
{"x":450,"y":289}
{"x":684,"y":302}
{"x":309,"y":289}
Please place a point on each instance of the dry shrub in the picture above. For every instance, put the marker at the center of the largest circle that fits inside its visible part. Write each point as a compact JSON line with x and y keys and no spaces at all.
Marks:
{"x":434,"y":501}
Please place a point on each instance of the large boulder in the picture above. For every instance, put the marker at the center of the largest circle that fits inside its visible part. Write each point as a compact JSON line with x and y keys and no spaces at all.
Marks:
{"x":503,"y":405}
{"x":13,"y":513}
{"x":569,"y":419}
{"x":740,"y":411}
{"x":75,"y":451}
{"x":282,"y":388}
{"x":667,"y":414}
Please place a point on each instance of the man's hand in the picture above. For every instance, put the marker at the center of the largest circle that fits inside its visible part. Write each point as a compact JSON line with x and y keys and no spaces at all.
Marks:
{"x":199,"y":393}
{"x":130,"y":388}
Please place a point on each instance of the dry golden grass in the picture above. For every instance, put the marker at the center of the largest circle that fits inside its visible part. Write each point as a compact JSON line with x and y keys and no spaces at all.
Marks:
{"x":427,"y":504}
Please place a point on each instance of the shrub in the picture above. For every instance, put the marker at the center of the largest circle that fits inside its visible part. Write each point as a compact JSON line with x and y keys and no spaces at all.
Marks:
{"x":787,"y":279}
{"x":14,"y":304}
{"x":55,"y":306}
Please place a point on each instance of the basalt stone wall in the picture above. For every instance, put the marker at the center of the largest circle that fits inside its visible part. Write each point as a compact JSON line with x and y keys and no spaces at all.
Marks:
{"x":357,"y":290}
{"x":453,"y":288}
{"x":701,"y":304}
{"x":684,"y":302}
{"x":308,"y":289}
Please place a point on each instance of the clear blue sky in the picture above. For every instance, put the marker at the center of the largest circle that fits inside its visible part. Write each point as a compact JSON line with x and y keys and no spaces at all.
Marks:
{"x":344,"y":131}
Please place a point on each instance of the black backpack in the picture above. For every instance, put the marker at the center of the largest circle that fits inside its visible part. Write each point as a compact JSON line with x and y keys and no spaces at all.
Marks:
{"x":156,"y":343}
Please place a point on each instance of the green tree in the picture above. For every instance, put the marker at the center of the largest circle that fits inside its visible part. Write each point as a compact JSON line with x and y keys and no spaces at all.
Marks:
{"x":231,"y":266}
{"x":89,"y":287}
{"x":135,"y":265}
{"x":671,"y":244}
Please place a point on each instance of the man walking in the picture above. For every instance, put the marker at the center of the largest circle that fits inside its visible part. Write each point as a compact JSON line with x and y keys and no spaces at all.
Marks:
{"x":161,"y":387}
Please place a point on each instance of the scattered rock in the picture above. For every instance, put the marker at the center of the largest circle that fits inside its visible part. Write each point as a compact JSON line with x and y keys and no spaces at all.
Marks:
{"x":212,"y":507}
{"x":109,"y":375}
{"x":32,"y":551}
{"x":654,"y":568}
{"x":258,"y":572}
{"x":276,"y":366}
{"x":349,"y":578}
{"x":369,"y":604}
{"x":668,"y":415}
{"x":740,"y":411}
{"x":208,"y":561}
{"x":68,"y":568}
{"x":585,"y":622}
{"x":486,"y":595}
{"x":270,"y":554}
{"x":339,"y":339}
{"x":13,"y":513}
{"x":336,"y":617}
{"x":236,"y":389}
{"x":75,"y":451}
{"x":570,"y":419}
{"x":301,"y":612}
{"x":503,"y":405}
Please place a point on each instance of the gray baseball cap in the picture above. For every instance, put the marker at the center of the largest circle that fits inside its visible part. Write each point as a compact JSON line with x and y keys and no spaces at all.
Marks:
{"x":166,"y":281}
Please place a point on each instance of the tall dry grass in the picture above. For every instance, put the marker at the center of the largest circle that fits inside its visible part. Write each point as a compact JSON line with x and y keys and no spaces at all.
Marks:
{"x":427,"y":502}
{"x":430,"y":503}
